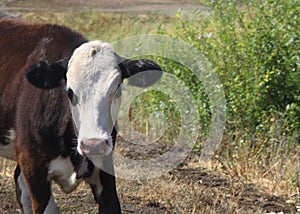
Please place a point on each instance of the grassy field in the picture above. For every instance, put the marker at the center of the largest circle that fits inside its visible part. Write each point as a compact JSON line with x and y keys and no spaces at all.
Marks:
{"x":220,"y":185}
{"x":191,"y":188}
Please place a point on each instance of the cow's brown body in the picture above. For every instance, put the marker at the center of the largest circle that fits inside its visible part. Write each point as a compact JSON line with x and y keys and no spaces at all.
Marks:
{"x":41,"y":119}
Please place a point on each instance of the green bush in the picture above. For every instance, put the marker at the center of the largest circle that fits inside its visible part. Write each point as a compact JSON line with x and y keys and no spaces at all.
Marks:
{"x":254,"y":48}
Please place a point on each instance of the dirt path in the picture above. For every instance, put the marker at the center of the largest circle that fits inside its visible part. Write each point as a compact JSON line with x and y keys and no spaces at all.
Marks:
{"x":191,"y":188}
{"x":169,"y":7}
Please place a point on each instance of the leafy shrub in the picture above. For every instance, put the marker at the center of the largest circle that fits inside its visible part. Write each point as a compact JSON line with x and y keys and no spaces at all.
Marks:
{"x":254,"y":48}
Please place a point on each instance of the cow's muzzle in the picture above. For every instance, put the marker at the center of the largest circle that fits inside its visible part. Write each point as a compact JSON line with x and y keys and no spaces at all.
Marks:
{"x":95,"y":146}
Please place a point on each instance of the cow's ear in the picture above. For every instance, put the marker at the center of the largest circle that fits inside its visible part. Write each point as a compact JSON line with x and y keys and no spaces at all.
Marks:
{"x":141,"y":73}
{"x":45,"y":75}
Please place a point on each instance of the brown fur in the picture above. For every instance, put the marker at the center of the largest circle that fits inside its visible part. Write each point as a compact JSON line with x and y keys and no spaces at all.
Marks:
{"x":18,"y":42}
{"x":41,"y":118}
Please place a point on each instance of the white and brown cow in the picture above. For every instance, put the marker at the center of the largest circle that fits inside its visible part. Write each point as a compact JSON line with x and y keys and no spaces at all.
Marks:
{"x":59,"y":98}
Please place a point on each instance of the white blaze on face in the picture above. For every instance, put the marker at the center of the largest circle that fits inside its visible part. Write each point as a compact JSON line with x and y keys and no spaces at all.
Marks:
{"x":93,"y":81}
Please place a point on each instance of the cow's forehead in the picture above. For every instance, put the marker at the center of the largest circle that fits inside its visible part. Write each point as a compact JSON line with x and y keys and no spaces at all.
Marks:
{"x":90,"y":61}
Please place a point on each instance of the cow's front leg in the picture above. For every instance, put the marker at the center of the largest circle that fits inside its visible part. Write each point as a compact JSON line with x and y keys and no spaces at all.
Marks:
{"x":104,"y":189}
{"x":109,"y":201}
{"x":33,"y":188}
{"x":22,"y":194}
{"x":108,"y":198}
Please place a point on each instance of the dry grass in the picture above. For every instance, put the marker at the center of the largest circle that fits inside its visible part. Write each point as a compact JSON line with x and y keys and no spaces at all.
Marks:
{"x":187,"y":189}
{"x":197,"y":190}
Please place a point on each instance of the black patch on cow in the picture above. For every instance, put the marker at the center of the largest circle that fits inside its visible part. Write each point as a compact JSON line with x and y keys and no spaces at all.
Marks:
{"x":83,"y":166}
{"x":46,"y":76}
{"x":17,"y":189}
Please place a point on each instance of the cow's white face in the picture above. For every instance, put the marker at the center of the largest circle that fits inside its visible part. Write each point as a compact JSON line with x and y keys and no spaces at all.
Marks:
{"x":94,"y":75}
{"x":93,"y":84}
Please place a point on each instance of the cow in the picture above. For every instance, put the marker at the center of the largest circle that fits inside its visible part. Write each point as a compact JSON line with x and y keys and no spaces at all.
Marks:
{"x":59,"y":99}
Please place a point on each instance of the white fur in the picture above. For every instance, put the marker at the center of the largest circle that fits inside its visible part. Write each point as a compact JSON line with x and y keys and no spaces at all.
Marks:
{"x":61,"y":170}
{"x":94,"y":77}
{"x":7,"y":151}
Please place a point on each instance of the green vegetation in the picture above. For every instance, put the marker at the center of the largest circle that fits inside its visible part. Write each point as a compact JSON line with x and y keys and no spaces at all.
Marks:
{"x":254,"y":48}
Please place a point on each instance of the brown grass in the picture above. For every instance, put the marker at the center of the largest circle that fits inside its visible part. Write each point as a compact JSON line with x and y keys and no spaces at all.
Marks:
{"x":187,"y":189}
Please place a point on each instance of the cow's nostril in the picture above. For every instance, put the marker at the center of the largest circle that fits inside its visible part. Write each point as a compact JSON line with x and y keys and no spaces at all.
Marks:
{"x":95,"y":146}
{"x":106,"y":142}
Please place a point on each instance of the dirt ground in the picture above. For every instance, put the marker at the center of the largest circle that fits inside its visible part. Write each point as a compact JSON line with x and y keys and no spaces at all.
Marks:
{"x":169,"y":7}
{"x":190,"y":188}
{"x":220,"y":193}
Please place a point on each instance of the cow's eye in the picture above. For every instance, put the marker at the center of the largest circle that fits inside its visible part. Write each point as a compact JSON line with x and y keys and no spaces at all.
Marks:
{"x":72,"y":97}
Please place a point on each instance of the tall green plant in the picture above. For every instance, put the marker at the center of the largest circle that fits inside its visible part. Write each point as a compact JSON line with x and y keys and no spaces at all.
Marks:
{"x":254,"y":47}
